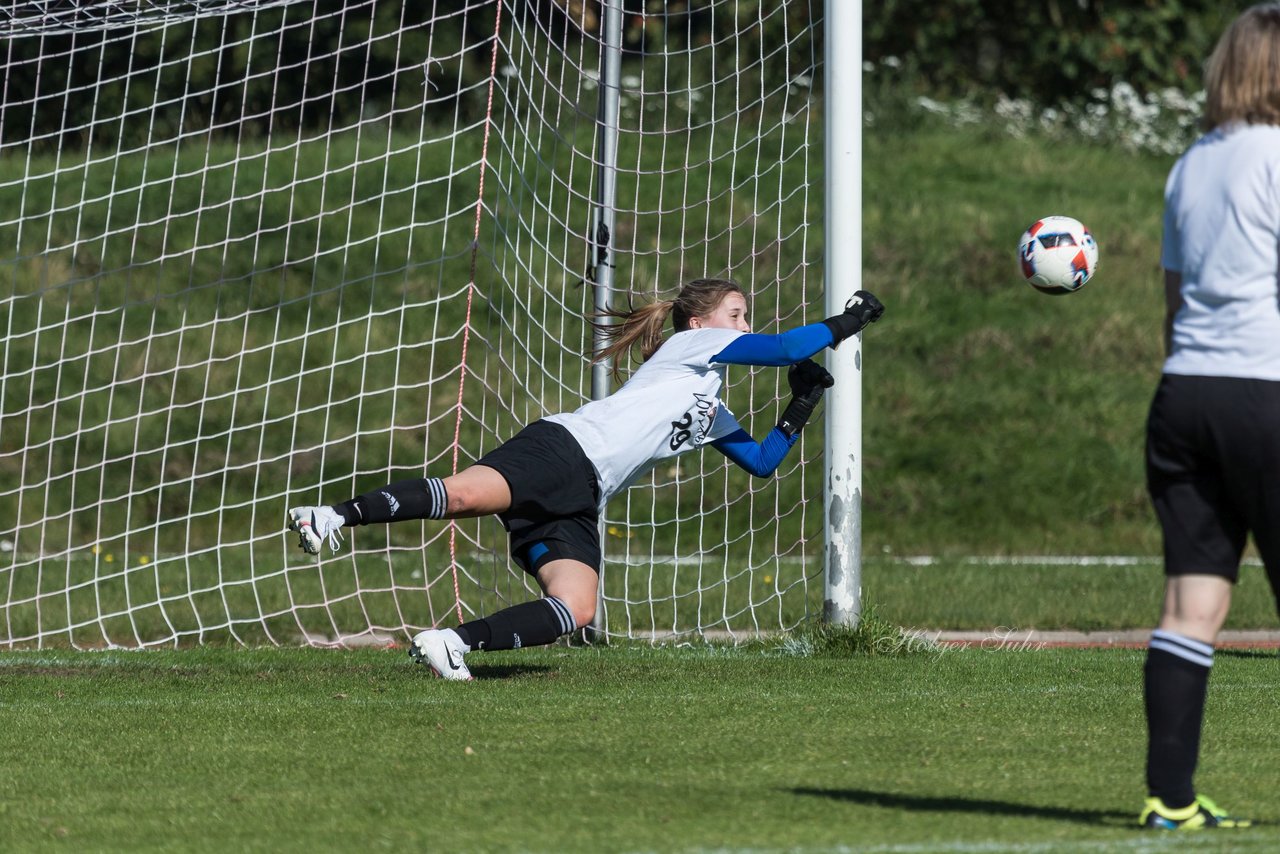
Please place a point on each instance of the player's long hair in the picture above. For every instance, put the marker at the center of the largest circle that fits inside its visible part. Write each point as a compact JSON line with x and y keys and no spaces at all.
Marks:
{"x":642,"y":327}
{"x":1242,"y":77}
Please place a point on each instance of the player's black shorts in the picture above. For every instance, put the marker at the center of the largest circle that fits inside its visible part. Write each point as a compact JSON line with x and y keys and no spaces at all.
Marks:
{"x":1213,"y":471}
{"x":554,"y":496}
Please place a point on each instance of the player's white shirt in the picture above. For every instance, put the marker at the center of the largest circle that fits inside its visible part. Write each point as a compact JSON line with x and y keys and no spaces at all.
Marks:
{"x":1222,"y":233}
{"x":670,"y":405}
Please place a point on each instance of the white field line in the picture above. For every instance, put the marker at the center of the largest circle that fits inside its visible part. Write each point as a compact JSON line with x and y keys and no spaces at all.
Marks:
{"x":1138,"y":844}
{"x":920,"y":560}
{"x":87,"y":554}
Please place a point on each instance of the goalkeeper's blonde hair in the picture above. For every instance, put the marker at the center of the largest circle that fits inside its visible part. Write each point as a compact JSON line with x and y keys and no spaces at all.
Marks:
{"x":642,"y":327}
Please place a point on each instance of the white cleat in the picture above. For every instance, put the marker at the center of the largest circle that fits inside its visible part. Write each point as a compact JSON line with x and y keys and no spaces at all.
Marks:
{"x":442,"y":651}
{"x":315,"y":525}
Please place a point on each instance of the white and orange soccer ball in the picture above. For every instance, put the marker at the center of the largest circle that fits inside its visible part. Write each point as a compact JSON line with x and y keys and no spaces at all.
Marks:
{"x":1058,"y":255}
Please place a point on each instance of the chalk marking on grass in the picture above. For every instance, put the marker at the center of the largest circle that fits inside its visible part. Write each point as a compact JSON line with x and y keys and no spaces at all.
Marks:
{"x":85,"y":554}
{"x":1141,"y":842}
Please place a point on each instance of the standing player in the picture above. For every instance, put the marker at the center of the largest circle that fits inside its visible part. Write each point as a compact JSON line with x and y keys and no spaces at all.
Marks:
{"x":549,"y":483}
{"x":1213,"y":435}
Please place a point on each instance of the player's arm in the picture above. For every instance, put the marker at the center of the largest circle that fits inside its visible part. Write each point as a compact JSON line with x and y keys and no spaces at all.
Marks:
{"x":808,"y":381}
{"x":1172,"y":305}
{"x":796,"y":345}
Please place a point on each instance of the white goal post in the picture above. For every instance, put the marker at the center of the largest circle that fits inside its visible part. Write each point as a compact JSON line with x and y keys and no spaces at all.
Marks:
{"x":843,"y":270}
{"x":272,"y":252}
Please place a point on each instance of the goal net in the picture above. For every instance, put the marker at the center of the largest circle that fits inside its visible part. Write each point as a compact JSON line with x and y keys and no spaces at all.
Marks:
{"x":262,"y":254}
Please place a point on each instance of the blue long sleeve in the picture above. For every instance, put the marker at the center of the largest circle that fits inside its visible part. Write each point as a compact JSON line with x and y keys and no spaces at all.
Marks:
{"x":760,"y":459}
{"x":786,"y":348}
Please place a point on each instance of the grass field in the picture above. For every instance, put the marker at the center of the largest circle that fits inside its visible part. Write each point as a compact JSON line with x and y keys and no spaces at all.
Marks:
{"x":956,"y":595}
{"x":620,"y":749}
{"x":349,"y":594}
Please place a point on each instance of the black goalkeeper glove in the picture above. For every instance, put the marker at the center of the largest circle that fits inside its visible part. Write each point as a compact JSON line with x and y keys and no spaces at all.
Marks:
{"x":861,"y":309}
{"x":808,"y":381}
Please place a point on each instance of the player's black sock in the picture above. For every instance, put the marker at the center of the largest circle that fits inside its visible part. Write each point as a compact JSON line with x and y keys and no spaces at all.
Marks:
{"x":530,"y":624}
{"x":1176,"y":680}
{"x":420,"y":498}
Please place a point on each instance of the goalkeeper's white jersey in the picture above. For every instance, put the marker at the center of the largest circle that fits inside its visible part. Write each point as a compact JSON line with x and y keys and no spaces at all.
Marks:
{"x":670,"y":405}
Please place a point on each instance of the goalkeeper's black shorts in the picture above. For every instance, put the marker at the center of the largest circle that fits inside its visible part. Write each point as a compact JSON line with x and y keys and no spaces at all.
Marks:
{"x":1213,"y":472}
{"x":555,"y":497}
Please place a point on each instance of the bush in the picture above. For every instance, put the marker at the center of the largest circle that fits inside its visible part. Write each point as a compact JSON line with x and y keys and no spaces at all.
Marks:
{"x":343,"y":63}
{"x":1050,"y":53}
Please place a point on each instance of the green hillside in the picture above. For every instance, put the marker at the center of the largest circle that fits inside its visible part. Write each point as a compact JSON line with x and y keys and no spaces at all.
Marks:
{"x":1000,"y":419}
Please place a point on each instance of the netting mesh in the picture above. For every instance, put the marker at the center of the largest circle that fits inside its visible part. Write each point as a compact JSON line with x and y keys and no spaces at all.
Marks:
{"x":244,"y":245}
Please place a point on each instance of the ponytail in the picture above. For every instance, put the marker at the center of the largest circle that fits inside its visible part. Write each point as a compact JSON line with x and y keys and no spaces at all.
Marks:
{"x":642,"y":326}
{"x":637,"y":327}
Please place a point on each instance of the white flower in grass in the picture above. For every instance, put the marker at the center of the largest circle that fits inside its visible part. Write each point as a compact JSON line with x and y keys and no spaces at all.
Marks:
{"x":1014,"y":110}
{"x":1163,"y":121}
{"x":931,"y":105}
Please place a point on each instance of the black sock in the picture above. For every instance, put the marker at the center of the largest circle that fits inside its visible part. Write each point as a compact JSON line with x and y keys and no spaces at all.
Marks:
{"x":530,"y":624}
{"x":420,"y":498}
{"x":1176,"y":680}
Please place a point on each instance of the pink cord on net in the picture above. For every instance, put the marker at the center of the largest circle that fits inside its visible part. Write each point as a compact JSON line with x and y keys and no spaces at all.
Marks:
{"x":471,"y":287}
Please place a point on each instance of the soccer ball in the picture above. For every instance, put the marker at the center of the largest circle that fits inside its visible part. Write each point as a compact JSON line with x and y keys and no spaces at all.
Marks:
{"x":1058,"y":255}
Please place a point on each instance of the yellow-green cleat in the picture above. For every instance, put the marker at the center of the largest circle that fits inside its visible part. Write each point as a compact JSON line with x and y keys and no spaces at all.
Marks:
{"x":1202,"y":813}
